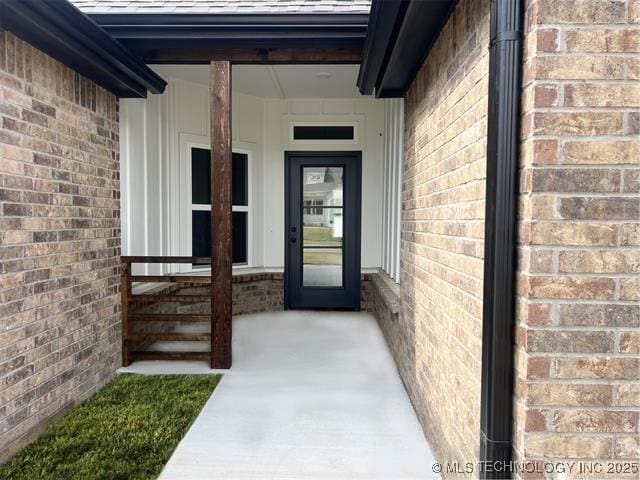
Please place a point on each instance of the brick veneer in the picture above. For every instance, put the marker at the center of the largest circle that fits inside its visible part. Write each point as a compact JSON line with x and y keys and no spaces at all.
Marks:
{"x":251,"y":293}
{"x":262,"y":292}
{"x":436,"y":340}
{"x":384,"y":303}
{"x":60,"y":239}
{"x":578,"y":393}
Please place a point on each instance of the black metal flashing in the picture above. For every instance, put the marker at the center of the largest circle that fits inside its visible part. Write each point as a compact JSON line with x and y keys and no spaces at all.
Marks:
{"x":503,"y":139}
{"x":62,"y":31}
{"x":201,"y":30}
{"x":399,"y":37}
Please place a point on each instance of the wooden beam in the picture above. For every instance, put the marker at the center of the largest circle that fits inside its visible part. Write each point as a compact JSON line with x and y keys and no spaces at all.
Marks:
{"x":125,"y":292}
{"x":221,"y":260}
{"x":171,"y":278}
{"x":144,"y":298}
{"x":156,"y":259}
{"x":169,"y":337}
{"x":169,"y":317}
{"x":154,"y":355}
{"x":253,"y":56}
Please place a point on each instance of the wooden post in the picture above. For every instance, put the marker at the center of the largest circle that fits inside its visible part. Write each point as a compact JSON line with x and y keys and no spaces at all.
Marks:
{"x":125,"y":292}
{"x":221,"y":259}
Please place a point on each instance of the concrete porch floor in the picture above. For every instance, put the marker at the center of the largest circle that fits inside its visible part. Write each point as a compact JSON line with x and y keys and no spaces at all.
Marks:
{"x":311,"y":395}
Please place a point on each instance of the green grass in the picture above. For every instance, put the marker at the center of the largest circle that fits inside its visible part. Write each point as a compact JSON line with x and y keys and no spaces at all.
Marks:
{"x":321,"y":236}
{"x":127,"y":430}
{"x":323,"y":257}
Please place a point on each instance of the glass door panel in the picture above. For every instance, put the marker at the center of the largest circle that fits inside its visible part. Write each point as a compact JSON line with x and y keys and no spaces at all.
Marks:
{"x":322,"y":267}
{"x":321,"y":213}
{"x":322,"y":186}
{"x":324,"y":230}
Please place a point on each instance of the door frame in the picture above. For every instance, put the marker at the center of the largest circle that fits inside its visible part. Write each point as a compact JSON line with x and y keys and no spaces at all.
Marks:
{"x":288,"y":154}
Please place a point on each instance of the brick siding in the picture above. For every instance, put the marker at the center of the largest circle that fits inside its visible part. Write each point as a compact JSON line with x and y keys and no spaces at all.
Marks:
{"x":251,"y":293}
{"x":384,"y":303}
{"x":262,"y":292}
{"x":59,"y":239}
{"x":578,"y":393}
{"x":436,"y":340}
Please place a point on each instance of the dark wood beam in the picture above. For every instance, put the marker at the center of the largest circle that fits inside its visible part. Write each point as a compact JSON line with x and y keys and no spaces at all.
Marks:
{"x":125,"y":293}
{"x":252,"y":56}
{"x":151,"y":355}
{"x":221,"y":260}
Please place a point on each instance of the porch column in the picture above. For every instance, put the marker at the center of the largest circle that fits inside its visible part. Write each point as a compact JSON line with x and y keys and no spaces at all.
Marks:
{"x":221,"y":259}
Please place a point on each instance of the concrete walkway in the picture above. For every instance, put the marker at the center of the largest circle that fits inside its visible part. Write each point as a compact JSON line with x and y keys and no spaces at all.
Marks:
{"x":311,"y":395}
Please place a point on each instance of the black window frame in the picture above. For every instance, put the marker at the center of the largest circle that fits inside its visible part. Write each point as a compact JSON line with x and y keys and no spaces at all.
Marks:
{"x":236,"y":208}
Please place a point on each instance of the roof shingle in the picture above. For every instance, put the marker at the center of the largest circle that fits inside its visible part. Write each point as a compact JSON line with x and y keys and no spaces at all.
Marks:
{"x":223,"y":6}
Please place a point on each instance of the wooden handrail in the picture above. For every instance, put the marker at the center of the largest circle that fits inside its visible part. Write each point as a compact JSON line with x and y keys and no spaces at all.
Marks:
{"x":169,"y":317}
{"x":129,"y":317}
{"x":169,"y":337}
{"x":171,"y":278}
{"x":168,"y":298}
{"x":156,"y":259}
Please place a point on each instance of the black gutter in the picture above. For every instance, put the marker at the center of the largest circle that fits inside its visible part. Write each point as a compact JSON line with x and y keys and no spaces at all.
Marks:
{"x":62,"y":31}
{"x":385,"y":19}
{"x":399,"y":38}
{"x":422,"y":23}
{"x":503,"y":140}
{"x":195,"y":30}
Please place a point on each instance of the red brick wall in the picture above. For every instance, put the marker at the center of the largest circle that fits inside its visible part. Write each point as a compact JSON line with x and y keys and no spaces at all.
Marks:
{"x":59,"y":238}
{"x":578,"y":368}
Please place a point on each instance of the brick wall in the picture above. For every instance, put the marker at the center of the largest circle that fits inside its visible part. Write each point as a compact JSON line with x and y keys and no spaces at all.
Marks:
{"x":253,"y":293}
{"x":578,"y":367}
{"x":384,"y":302}
{"x":59,"y":238}
{"x":437,"y":341}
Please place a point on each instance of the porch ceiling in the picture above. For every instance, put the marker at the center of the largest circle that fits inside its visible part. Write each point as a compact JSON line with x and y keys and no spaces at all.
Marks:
{"x":277,"y":81}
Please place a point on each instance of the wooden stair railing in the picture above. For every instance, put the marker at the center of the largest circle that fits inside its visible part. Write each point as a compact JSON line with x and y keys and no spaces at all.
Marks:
{"x":129,"y":317}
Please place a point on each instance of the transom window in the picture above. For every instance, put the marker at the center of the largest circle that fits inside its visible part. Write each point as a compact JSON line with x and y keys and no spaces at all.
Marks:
{"x":201,"y":204}
{"x":323,"y":132}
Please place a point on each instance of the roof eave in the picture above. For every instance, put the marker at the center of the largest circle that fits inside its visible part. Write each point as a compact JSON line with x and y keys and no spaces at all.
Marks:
{"x":178,"y":30}
{"x":398,"y":40}
{"x":62,"y":31}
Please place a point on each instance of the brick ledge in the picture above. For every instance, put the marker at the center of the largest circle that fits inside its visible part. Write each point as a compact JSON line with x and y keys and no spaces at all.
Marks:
{"x":390,"y":296}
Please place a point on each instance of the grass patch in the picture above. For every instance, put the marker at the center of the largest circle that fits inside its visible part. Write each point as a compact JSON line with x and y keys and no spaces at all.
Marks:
{"x":320,"y":236}
{"x":127,"y":430}
{"x":323,"y":257}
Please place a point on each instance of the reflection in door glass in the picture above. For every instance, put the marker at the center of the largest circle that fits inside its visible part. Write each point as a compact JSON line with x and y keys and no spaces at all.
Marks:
{"x":322,"y":211}
{"x":322,"y":187}
{"x":322,"y":267}
{"x":323,"y":229}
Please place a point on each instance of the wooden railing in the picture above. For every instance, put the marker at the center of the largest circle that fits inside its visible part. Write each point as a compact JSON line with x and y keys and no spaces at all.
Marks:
{"x":131,"y":317}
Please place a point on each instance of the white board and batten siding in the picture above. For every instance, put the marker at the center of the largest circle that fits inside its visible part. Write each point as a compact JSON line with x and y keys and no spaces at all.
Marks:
{"x":156,"y":136}
{"x":392,"y":186}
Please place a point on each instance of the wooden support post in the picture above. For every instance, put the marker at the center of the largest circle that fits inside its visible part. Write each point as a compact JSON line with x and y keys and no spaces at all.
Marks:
{"x":125,"y":293}
{"x":221,"y":259}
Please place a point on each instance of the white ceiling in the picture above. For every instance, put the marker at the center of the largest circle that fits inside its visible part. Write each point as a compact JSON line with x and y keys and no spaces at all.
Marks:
{"x":277,"y":81}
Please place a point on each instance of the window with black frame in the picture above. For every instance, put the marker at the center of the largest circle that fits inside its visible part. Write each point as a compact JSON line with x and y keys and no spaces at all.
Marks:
{"x":201,"y":205}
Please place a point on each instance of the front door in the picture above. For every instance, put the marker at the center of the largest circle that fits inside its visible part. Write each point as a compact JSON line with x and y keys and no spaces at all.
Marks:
{"x":322,"y":238}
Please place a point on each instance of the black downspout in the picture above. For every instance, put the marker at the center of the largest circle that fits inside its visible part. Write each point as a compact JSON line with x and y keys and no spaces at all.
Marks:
{"x":503,"y":140}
